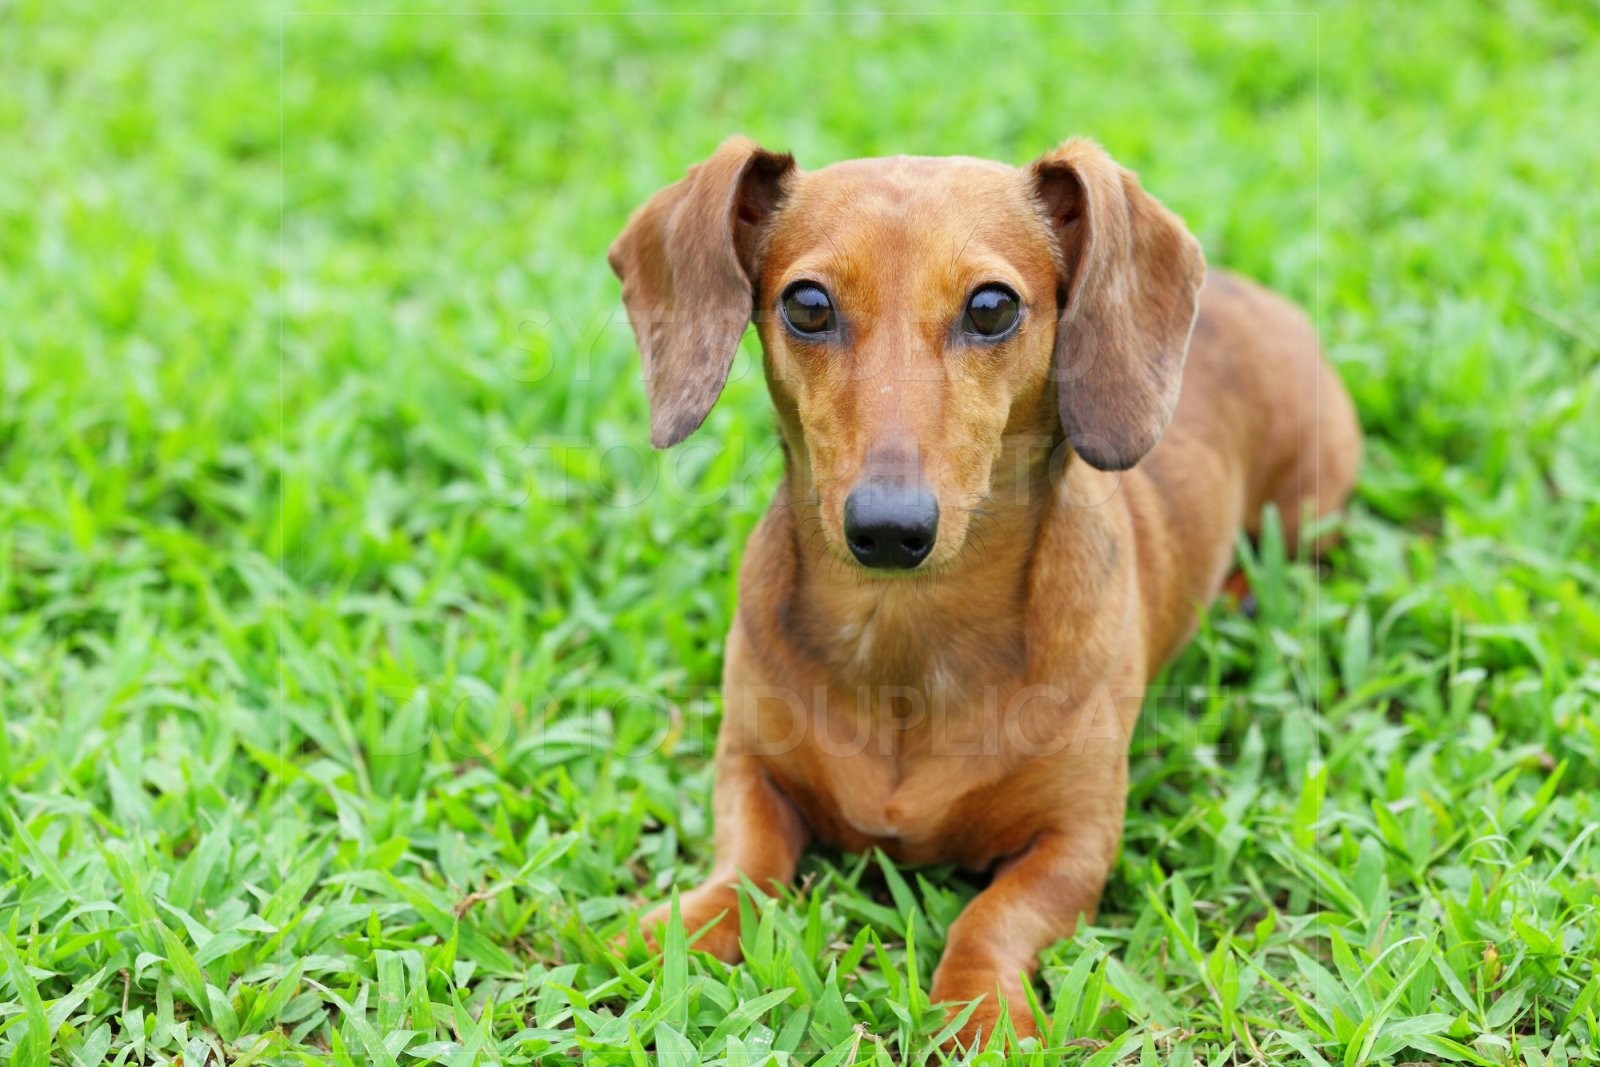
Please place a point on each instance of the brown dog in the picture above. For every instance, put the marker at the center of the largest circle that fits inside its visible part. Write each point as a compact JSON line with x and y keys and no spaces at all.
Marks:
{"x":980,"y":553}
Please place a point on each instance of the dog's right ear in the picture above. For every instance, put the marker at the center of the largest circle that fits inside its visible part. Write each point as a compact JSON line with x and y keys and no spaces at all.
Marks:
{"x":687,"y":261}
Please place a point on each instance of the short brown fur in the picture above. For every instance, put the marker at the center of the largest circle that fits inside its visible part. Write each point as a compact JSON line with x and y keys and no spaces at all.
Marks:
{"x":978,"y":709}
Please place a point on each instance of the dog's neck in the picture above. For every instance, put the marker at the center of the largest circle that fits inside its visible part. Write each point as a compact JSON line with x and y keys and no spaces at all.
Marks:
{"x":958,"y":625}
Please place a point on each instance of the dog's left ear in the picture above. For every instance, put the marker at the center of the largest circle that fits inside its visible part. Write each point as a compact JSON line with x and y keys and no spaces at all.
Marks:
{"x":1131,"y":276}
{"x":687,"y":261}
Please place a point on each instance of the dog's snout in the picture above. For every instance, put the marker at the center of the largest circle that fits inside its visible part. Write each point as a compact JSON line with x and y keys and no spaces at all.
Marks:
{"x":890,"y":526}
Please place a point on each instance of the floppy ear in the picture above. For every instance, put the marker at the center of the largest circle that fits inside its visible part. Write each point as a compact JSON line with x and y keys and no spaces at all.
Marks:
{"x":687,"y":261}
{"x":1131,"y":276}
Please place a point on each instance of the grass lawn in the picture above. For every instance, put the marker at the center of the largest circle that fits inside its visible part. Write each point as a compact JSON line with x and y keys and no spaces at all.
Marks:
{"x":357,"y":662}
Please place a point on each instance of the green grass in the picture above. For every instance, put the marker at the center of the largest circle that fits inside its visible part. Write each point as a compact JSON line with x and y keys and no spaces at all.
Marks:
{"x":355,"y":689}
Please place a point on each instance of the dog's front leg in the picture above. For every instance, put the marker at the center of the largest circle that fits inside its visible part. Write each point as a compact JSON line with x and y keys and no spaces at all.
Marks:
{"x":758,"y":836}
{"x":1035,"y":899}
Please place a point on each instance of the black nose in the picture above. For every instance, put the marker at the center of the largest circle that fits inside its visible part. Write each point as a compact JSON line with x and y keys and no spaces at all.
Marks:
{"x":890,"y":526}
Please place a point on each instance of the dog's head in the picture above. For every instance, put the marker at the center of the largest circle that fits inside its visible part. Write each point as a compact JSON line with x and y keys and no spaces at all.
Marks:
{"x":919,"y":316}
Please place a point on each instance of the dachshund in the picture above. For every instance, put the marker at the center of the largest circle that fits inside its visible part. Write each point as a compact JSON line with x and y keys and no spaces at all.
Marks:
{"x":1023,"y":429}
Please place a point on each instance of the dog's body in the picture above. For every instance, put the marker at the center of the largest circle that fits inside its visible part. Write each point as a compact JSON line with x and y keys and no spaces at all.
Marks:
{"x":976,"y":708}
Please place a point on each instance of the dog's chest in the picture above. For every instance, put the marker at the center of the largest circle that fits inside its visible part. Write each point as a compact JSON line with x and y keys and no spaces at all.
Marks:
{"x":917,"y":773}
{"x":931,"y":645}
{"x":900,"y":723}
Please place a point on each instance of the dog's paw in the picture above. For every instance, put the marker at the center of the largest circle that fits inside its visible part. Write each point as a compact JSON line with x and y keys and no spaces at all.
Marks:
{"x":1000,"y":997}
{"x":710,"y":920}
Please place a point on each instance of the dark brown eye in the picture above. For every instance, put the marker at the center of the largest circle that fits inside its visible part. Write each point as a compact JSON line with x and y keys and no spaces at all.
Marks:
{"x":991,"y":312}
{"x":807,"y":309}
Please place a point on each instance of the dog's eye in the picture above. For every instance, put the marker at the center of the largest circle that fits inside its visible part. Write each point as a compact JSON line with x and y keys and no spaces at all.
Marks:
{"x":991,"y":311}
{"x":807,"y":309}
